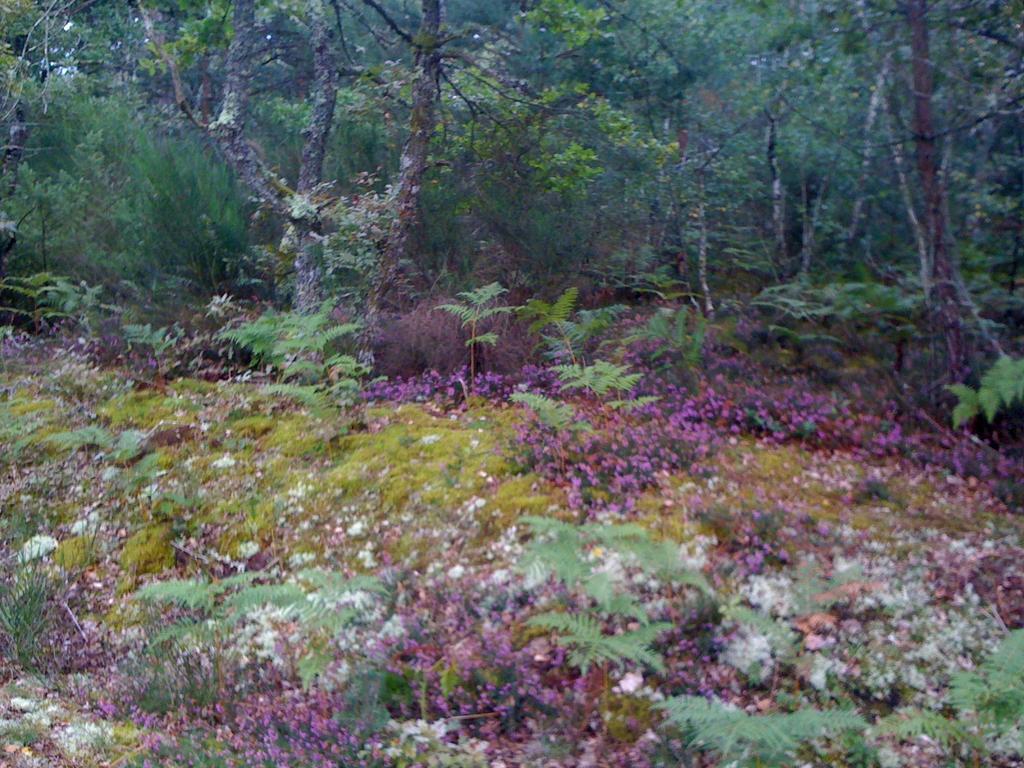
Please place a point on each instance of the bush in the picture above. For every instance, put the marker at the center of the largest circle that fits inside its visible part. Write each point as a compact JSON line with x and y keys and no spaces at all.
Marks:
{"x":171,"y":213}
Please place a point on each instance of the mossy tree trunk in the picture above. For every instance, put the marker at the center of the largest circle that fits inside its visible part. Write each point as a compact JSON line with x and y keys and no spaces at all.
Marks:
{"x":392,"y":290}
{"x":15,"y":150}
{"x":299,"y":206}
{"x":946,"y":309}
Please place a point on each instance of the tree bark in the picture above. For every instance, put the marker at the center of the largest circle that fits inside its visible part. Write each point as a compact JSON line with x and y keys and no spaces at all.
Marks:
{"x":702,"y":246}
{"x":17,"y":137}
{"x":777,"y":190}
{"x":391,"y":292}
{"x":947,"y":316}
{"x":812,"y":201}
{"x":874,"y":103}
{"x":297,"y":206}
{"x":923,"y":253}
{"x":324,"y":93}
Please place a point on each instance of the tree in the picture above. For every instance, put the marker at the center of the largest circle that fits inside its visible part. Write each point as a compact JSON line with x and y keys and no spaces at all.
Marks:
{"x":390,"y":292}
{"x":301,"y":206}
{"x":945,"y":277}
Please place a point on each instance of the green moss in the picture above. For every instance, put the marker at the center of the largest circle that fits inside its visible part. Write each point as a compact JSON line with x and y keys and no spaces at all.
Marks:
{"x":148,"y":551}
{"x":522,"y":495}
{"x":145,"y":409}
{"x":194,"y":386}
{"x":25,"y":407}
{"x":628,"y":717}
{"x":252,"y":426}
{"x":126,"y":735}
{"x":257,"y":523}
{"x":74,"y":553}
{"x":296,"y":435}
{"x":419,"y":458}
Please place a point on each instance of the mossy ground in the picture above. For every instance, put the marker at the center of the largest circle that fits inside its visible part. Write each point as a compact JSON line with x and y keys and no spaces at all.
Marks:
{"x":228,"y":478}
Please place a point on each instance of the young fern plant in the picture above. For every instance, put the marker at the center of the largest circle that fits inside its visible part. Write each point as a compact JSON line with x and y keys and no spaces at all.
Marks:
{"x":604,"y":378}
{"x":301,"y":351}
{"x":556,"y":316}
{"x":318,"y":601}
{"x":477,"y":306}
{"x":987,"y":705}
{"x":675,"y":336}
{"x":1001,"y":387}
{"x":551,"y":413}
{"x":588,"y":643}
{"x":754,"y":741}
{"x":572,"y":555}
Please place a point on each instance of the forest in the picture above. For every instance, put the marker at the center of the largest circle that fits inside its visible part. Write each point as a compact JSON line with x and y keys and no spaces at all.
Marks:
{"x":494,"y":383}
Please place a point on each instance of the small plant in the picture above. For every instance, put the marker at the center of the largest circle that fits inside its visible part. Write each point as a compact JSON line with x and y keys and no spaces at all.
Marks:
{"x":987,"y":704}
{"x":46,"y":298}
{"x":123,"y":447}
{"x":550,"y":412}
{"x":603,"y":378}
{"x":1001,"y":387}
{"x":478,"y":305}
{"x":91,"y":436}
{"x":25,"y":600}
{"x":761,"y":741}
{"x":301,"y":350}
{"x":315,"y":600}
{"x":675,"y":336}
{"x":573,"y":555}
{"x":554,"y":315}
{"x":588,"y":642}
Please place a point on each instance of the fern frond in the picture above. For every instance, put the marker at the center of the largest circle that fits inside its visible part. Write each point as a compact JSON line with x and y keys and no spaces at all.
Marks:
{"x":734,"y":734}
{"x":550,"y":412}
{"x":588,"y":644}
{"x":188,"y":593}
{"x":600,"y":378}
{"x":913,"y":724}
{"x":555,"y":313}
{"x":90,"y":436}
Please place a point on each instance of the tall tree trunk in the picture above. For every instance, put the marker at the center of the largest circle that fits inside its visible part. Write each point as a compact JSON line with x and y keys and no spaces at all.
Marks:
{"x":946,"y":306}
{"x":324,"y":90}
{"x":702,"y":246}
{"x":391,"y":290}
{"x":777,"y":190}
{"x":812,"y":201}
{"x":923,"y":253}
{"x":874,"y":103}
{"x":298,"y":206}
{"x":964,"y":295}
{"x":17,"y":137}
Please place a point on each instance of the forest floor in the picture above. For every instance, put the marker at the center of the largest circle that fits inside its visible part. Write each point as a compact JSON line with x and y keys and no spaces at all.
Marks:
{"x":864,"y":580}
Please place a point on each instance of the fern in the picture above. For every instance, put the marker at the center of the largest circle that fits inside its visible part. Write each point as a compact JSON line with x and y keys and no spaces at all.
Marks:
{"x":988,"y":703}
{"x":567,"y":552}
{"x":550,"y":413}
{"x":755,"y":740}
{"x":588,"y":325}
{"x":87,"y":437}
{"x":995,"y":691}
{"x":230,"y":600}
{"x":588,"y":644}
{"x":555,"y":314}
{"x":478,"y":305}
{"x":601,"y":378}
{"x":558,"y":548}
{"x":913,"y":724}
{"x":299,"y":349}
{"x":672,"y":334}
{"x":1001,"y":387}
